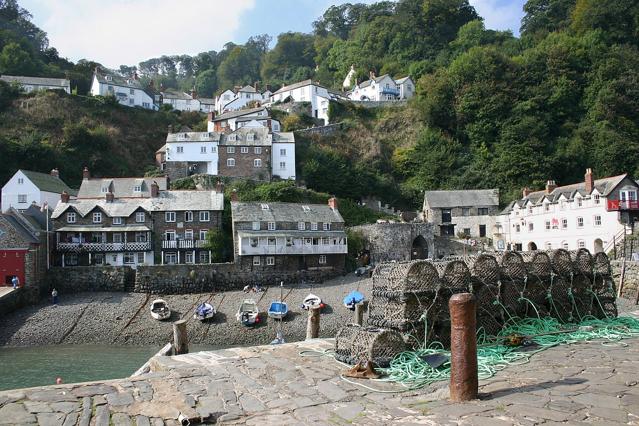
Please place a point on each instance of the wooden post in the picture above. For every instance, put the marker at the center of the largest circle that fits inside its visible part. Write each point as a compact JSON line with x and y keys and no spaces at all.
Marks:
{"x":180,"y":338}
{"x":359,"y":311}
{"x":623,"y":276}
{"x":464,"y":381}
{"x":313,"y":324}
{"x":614,"y":247}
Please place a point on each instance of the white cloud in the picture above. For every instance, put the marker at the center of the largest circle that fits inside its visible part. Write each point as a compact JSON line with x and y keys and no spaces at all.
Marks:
{"x":500,"y":14}
{"x":115,"y":32}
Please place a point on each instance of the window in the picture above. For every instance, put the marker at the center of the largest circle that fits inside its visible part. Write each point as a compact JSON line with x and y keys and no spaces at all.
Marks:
{"x":580,"y":222}
{"x":117,"y":238}
{"x":581,"y":244}
{"x":579,"y":201}
{"x":169,"y":235}
{"x":597,"y":198}
{"x":564,"y":245}
{"x":188,"y":234}
{"x":71,"y":259}
{"x":256,"y":226}
{"x":547,"y":207}
{"x":169,"y":216}
{"x":301,"y":226}
{"x":530,"y":209}
{"x":597,"y":220}
{"x":98,"y":259}
{"x":325,"y":241}
{"x":117,"y":221}
{"x":170,"y":258}
{"x":327,"y":226}
{"x":282,"y":165}
{"x":313,"y":226}
{"x":465,"y":211}
{"x":322,"y":259}
{"x":446,"y":215}
{"x":517,"y":228}
{"x":71,"y":217}
{"x":257,"y":162}
{"x":104,"y":189}
{"x":270,"y":260}
{"x":188,"y":216}
{"x":547,"y":225}
{"x":202,"y":150}
{"x":482,"y":211}
{"x":146,"y":105}
{"x":203,"y":234}
{"x":140,"y":217}
{"x":271,"y":241}
{"x":22,"y":198}
{"x":131,"y":92}
{"x":137,"y":188}
{"x":564,"y":223}
{"x":306,"y":209}
{"x":129,"y":258}
{"x":180,"y":150}
{"x":230,"y":162}
{"x":531,"y":227}
{"x":271,"y":226}
{"x":204,"y":257}
{"x":213,"y":149}
{"x":205,"y":216}
{"x":20,"y":181}
{"x":256,"y":261}
{"x":188,"y":257}
{"x":140,"y":257}
{"x":140,"y":237}
{"x":257,"y":150}
{"x":244,"y":150}
{"x":289,"y":241}
{"x":264,"y":206}
{"x":283,"y":152}
{"x":97,"y":217}
{"x":230,"y":150}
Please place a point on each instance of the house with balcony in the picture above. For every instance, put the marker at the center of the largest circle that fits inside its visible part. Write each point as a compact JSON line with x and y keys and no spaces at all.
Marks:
{"x":383,"y":88}
{"x":288,"y":236}
{"x":127,"y":90}
{"x":592,"y":214}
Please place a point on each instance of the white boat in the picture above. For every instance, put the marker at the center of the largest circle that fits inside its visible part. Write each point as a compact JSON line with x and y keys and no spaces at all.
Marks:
{"x":160,"y":309}
{"x":312,"y":301}
{"x":204,"y":311}
{"x":248,"y":313}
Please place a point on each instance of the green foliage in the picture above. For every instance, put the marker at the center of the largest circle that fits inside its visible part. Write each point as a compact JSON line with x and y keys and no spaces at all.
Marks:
{"x":292,"y":58}
{"x":219,"y":243}
{"x":206,"y":83}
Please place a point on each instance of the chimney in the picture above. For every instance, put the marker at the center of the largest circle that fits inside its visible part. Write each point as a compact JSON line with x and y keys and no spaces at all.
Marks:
{"x":162,"y":88}
{"x":193,"y":93}
{"x":371,"y":74}
{"x":55,"y":173}
{"x":526,"y":192}
{"x":234,"y":195}
{"x":170,"y":128}
{"x":109,"y":197}
{"x":64,"y":197}
{"x":268,"y":87}
{"x":155,"y":189}
{"x":256,"y":85}
{"x":85,"y":173}
{"x":590,"y":180}
{"x":332,"y":203}
{"x":135,"y":76}
{"x":211,"y":115}
{"x":550,"y":186}
{"x":219,"y":187}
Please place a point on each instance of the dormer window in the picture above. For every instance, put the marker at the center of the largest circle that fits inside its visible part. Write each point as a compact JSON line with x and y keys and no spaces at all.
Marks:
{"x":104,"y":189}
{"x":306,"y":208}
{"x":232,"y":138}
{"x":597,"y":198}
{"x":250,"y":137}
{"x":108,"y":78}
{"x":264,"y":206}
{"x":137,"y":188}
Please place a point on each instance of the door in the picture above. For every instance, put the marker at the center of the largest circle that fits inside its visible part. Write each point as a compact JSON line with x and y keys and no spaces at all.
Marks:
{"x":11,"y":264}
{"x":482,"y":231}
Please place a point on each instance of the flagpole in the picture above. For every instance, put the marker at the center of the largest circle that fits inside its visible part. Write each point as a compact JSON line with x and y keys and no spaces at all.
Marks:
{"x":46,"y":218}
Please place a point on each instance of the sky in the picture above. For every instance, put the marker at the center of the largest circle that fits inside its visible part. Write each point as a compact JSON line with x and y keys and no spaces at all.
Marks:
{"x":115,"y":32}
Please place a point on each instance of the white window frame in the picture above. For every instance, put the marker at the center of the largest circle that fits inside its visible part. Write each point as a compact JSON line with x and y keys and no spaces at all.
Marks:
{"x":282,"y":152}
{"x":581,"y":244}
{"x":257,"y":162}
{"x":313,"y":226}
{"x":170,"y":258}
{"x":117,"y":238}
{"x":22,"y":198}
{"x":205,"y":216}
{"x":137,"y":188}
{"x":271,"y":226}
{"x":580,"y":222}
{"x":596,"y":220}
{"x":301,"y":226}
{"x":169,"y":217}
{"x":230,"y":149}
{"x":128,"y":258}
{"x":548,"y":225}
{"x":255,"y":226}
{"x":204,"y":257}
{"x":71,"y":217}
{"x":188,"y":216}
{"x":244,"y":150}
{"x":97,"y":217}
{"x":203,"y":149}
{"x":230,"y":162}
{"x":189,"y":258}
{"x":282,"y":165}
{"x":140,"y":217}
{"x":326,"y":226}
{"x":256,"y":261}
{"x":270,"y":261}
{"x":204,"y":233}
{"x":596,"y":198}
{"x":564,"y":223}
{"x":117,"y":220}
{"x":180,"y":150}
{"x":188,"y":234}
{"x":257,"y":150}
{"x":322,"y":259}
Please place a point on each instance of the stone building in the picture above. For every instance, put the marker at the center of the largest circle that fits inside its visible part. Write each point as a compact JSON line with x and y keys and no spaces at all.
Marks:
{"x":246,"y":153}
{"x":288,"y":236}
{"x":462,"y":213}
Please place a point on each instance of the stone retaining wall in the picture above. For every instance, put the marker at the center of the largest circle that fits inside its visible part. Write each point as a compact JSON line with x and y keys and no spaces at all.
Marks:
{"x":92,"y":278}
{"x":631,"y":277}
{"x":17,"y":299}
{"x":394,"y":241}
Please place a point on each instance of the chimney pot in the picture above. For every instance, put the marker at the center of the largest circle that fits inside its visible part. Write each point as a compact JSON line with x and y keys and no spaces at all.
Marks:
{"x":589,"y":180}
{"x":193,"y":93}
{"x":526,"y":192}
{"x":550,"y":186}
{"x":85,"y":173}
{"x":55,"y":173}
{"x":109,"y":197}
{"x":64,"y":197}
{"x":234,"y":196}
{"x":155,"y":189}
{"x":219,"y":187}
{"x":332,"y":203}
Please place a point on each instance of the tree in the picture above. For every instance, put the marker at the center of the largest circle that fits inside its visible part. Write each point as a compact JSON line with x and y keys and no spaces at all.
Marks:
{"x":15,"y":60}
{"x":545,"y":16}
{"x":241,"y":66}
{"x":292,"y":51}
{"x":206,"y":83}
{"x":219,"y":244}
{"x":618,"y":19}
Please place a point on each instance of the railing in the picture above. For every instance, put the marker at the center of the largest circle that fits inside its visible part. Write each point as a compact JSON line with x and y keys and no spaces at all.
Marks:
{"x":103,"y":247}
{"x":390,"y":91}
{"x":294,"y":249}
{"x":613,"y":205}
{"x":183,"y":244}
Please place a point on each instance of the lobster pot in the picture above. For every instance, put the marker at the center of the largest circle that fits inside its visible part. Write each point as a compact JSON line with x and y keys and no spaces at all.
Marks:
{"x":454,"y":275}
{"x":561,"y":262}
{"x":489,"y":314}
{"x":509,"y":296}
{"x":536,"y":291}
{"x":483,"y":268}
{"x":512,"y":266}
{"x":537,"y":264}
{"x":601,"y":264}
{"x":398,"y":313}
{"x":581,"y":291}
{"x":559,"y":304}
{"x":604,"y":305}
{"x":394,"y":279}
{"x":582,"y":262}
{"x":355,"y":344}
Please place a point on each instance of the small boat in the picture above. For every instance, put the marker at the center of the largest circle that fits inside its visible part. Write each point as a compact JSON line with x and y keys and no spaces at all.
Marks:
{"x":352,"y":299}
{"x":160,"y":309}
{"x":279,"y":338}
{"x":248,"y":314}
{"x":204,"y":311}
{"x":278,"y":309}
{"x":312,"y":301}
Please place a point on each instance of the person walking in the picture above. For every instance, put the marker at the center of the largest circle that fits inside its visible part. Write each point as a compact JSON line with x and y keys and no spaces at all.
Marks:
{"x":54,"y":296}
{"x":15,"y":281}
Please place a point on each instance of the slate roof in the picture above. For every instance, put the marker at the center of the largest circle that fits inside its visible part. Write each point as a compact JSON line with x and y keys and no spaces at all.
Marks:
{"x":604,"y":186}
{"x":297,"y":86}
{"x":120,"y":187}
{"x":248,"y":89}
{"x":175,"y":94}
{"x":368,"y":82}
{"x":193,"y":137}
{"x":117,"y":80}
{"x":402,"y":80}
{"x":23,"y":231}
{"x":284,"y":212}
{"x":462,"y":198}
{"x":206,"y":101}
{"x":238,"y":113}
{"x":36,"y":81}
{"x":46,"y":182}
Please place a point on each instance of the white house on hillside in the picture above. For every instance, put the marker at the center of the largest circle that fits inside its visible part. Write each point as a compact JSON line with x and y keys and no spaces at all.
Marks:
{"x":233,"y":120}
{"x":197,"y":150}
{"x":233,"y":100}
{"x":383,"y":88}
{"x":589,"y":214}
{"x":26,"y":188}
{"x":180,"y":101}
{"x":306,"y":91}
{"x":128,"y":91}
{"x":29,"y":84}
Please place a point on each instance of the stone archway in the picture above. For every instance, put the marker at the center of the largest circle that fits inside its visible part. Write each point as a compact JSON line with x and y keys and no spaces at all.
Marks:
{"x":419,"y":249}
{"x":532,"y":246}
{"x":598,"y":245}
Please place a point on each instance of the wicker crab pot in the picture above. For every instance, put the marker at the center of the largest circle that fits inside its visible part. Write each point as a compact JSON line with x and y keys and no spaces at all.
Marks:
{"x":355,"y":344}
{"x":489,"y":312}
{"x":393,"y":280}
{"x":559,"y":303}
{"x":582,"y":262}
{"x":601,"y":264}
{"x":483,"y":268}
{"x":562,"y":262}
{"x":399,"y":313}
{"x":537,"y":264}
{"x":512,"y":266}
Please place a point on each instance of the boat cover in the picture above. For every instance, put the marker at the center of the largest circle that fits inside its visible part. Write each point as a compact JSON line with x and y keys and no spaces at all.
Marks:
{"x":353,"y":297}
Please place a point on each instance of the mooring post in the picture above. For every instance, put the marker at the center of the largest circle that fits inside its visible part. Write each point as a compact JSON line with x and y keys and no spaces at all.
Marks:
{"x":359,"y":311}
{"x":463,"y":347}
{"x":313,"y":324}
{"x":180,"y":338}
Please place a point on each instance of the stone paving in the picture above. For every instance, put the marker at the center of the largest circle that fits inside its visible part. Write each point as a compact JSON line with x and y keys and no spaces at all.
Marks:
{"x":5,"y":290}
{"x":586,"y":383}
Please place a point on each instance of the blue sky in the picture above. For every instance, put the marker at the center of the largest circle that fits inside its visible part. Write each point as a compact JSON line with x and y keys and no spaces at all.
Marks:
{"x":116,"y":32}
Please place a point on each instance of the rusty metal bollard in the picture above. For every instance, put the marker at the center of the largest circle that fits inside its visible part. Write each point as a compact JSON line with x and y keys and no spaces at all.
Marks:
{"x":463,"y":347}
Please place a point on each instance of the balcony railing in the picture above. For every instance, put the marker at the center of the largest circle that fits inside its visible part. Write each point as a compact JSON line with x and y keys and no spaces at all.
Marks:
{"x":614,"y":205}
{"x":390,"y":91}
{"x":103,"y":247}
{"x":294,"y":249}
{"x":183,"y":244}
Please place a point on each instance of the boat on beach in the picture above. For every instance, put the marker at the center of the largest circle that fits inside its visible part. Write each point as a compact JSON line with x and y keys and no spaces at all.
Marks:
{"x":352,"y":299}
{"x":204,"y":311}
{"x":278,"y":309}
{"x":248,"y":313}
{"x":312,"y":301}
{"x":160,"y":310}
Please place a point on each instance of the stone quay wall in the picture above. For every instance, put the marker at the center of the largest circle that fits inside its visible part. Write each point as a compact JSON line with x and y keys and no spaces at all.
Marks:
{"x":17,"y":299}
{"x":631,"y":277}
{"x":91,"y":278}
{"x":394,"y":241}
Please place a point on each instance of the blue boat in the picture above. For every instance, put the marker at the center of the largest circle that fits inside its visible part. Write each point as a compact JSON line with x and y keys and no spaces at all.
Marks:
{"x":278,"y":310}
{"x":352,"y":299}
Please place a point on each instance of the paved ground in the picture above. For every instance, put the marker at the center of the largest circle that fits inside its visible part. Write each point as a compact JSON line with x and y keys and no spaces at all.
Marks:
{"x":585,"y":383}
{"x":5,"y":290}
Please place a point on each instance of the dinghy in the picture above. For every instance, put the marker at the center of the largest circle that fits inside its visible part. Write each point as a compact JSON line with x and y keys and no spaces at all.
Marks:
{"x":352,"y":299}
{"x":312,"y":301}
{"x":248,"y":314}
{"x":204,"y":311}
{"x":160,"y":309}
{"x":278,"y":309}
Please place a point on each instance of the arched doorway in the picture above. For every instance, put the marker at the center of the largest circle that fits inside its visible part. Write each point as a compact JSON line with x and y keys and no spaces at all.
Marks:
{"x":419,"y":250}
{"x":532,"y":246}
{"x":598,"y":245}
